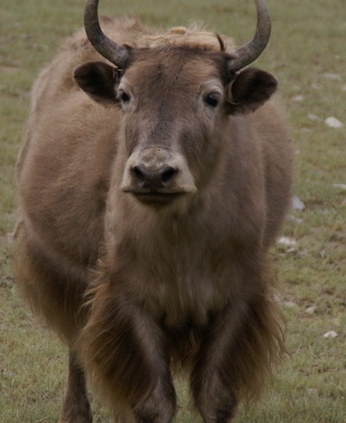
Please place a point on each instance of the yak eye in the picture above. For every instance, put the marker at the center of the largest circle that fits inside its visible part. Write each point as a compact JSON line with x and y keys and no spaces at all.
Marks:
{"x":124,"y":97}
{"x":212,"y":99}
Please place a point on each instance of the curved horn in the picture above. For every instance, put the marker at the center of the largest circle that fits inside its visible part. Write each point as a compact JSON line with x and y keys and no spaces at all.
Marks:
{"x":249,"y":52}
{"x":104,"y":45}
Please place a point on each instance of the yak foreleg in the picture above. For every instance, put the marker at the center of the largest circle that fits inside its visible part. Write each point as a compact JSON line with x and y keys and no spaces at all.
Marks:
{"x":124,"y":352}
{"x":244,"y":342}
{"x":76,"y":408}
{"x":214,"y":396}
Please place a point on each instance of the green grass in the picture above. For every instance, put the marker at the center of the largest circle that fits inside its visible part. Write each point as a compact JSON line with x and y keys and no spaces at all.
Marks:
{"x":307,"y":54}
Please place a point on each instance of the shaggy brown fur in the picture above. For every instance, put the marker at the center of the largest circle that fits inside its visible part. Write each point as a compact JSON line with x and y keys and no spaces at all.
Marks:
{"x":145,"y":218}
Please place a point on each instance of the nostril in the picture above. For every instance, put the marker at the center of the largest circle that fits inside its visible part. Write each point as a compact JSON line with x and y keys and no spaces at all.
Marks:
{"x":140,"y":173}
{"x":155,"y":177}
{"x":167,"y":174}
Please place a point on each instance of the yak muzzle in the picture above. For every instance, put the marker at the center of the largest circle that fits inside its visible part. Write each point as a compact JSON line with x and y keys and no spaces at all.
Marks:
{"x":157,"y":176}
{"x":154,"y":178}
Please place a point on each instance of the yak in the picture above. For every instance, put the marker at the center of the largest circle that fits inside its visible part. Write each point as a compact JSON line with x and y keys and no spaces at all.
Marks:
{"x":154,"y":178}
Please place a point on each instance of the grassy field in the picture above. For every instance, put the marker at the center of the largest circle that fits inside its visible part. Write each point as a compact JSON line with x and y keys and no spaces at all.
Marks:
{"x":307,"y":54}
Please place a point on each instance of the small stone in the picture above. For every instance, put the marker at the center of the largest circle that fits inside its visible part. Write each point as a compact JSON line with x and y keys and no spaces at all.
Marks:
{"x":341,"y":186}
{"x":294,"y":219}
{"x":297,"y":204}
{"x":289,"y":242}
{"x":330,"y":335}
{"x":298,"y":98}
{"x":333,"y":122}
{"x":314,"y":117}
{"x":333,"y":76}
{"x":311,"y":310}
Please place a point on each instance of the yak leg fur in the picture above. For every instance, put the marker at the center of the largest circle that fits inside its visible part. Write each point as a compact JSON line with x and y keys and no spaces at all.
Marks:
{"x":127,"y":361}
{"x":76,"y":407}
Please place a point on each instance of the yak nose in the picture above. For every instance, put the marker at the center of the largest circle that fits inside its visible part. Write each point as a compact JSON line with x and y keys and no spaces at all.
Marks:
{"x":157,"y":171}
{"x":154,"y":177}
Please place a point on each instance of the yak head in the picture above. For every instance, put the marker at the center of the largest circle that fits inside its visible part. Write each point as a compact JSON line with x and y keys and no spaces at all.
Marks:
{"x":176,"y":102}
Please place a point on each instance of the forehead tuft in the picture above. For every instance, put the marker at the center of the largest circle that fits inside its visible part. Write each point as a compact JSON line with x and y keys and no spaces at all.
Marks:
{"x":192,"y":37}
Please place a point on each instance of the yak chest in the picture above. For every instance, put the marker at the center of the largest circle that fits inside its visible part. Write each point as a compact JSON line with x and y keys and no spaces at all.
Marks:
{"x":188,"y":288}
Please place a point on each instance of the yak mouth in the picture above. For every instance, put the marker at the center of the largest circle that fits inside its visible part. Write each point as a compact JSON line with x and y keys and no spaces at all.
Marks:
{"x":156,"y":198}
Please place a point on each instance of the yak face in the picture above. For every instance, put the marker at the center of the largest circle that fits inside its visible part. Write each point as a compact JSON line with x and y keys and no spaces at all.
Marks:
{"x":176,"y":104}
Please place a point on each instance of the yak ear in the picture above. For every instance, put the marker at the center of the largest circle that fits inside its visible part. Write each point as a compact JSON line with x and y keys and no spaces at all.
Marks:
{"x":99,"y":81}
{"x":249,"y":90}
